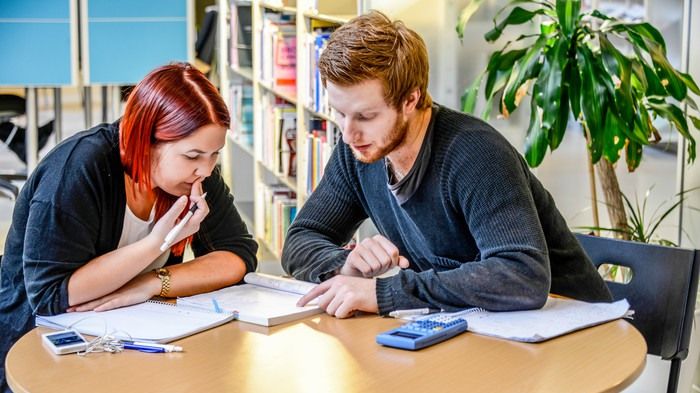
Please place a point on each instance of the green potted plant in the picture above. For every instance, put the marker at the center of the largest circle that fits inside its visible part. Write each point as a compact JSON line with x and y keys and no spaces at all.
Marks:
{"x":572,"y":65}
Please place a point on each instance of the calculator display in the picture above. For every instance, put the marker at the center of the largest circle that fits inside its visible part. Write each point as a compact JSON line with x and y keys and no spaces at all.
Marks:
{"x":67,"y":338}
{"x":399,"y":333}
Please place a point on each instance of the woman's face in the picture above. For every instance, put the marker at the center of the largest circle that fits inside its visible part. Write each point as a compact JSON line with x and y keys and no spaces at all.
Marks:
{"x":178,"y":164}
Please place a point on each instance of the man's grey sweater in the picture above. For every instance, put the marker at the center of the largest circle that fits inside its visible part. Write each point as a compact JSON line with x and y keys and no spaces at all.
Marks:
{"x":480,"y":230}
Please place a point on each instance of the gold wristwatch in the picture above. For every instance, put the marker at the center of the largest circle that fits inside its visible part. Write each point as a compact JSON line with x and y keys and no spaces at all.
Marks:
{"x":164,"y":276}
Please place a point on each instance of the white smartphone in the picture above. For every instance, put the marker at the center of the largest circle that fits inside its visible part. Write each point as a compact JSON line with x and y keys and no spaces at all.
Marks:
{"x":65,"y":341}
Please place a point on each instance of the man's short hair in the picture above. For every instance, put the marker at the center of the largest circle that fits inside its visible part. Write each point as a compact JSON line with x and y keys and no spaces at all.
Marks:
{"x":372,"y":46}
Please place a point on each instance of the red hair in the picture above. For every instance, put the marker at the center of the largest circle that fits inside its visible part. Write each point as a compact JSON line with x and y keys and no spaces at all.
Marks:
{"x":169,"y":104}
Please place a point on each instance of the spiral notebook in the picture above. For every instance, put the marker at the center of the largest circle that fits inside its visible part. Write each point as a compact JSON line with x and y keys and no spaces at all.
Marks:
{"x":558,"y":317}
{"x":151,"y":321}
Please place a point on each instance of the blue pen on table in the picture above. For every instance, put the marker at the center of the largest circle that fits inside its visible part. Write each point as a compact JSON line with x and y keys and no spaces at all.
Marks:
{"x":151,"y":347}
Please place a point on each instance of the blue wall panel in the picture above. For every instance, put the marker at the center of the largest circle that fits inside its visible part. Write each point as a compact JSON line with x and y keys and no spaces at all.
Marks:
{"x":35,"y":46}
{"x":34,"y":9}
{"x":137,"y":8}
{"x":129,"y":38}
{"x":124,"y":52}
{"x":35,"y":54}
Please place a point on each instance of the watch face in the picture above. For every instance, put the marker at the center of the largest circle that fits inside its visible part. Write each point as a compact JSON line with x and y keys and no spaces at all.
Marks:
{"x":163,"y":272}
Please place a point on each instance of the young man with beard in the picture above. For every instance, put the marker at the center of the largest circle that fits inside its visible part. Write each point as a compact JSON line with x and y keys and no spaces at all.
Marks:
{"x":456,"y":206}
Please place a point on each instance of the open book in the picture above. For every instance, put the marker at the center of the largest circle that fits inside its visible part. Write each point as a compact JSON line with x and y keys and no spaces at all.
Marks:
{"x":149,"y":321}
{"x":557,"y":317}
{"x":264,"y":299}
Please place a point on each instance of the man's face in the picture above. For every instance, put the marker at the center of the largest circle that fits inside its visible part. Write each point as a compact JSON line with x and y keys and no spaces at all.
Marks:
{"x":371,"y":127}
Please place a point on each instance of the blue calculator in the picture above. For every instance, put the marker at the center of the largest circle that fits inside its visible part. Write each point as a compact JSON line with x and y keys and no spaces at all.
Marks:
{"x":423,"y":332}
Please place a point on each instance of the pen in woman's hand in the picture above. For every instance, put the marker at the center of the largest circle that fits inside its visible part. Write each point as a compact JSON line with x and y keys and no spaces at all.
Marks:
{"x":170,"y":237}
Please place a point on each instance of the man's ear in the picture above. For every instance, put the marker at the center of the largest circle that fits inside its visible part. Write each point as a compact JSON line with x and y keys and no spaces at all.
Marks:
{"x":411,"y":101}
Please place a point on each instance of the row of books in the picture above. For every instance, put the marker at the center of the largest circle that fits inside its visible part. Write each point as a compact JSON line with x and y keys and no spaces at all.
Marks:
{"x":321,"y":139}
{"x":278,"y":52}
{"x":277,"y":147}
{"x":241,"y":28}
{"x":241,"y":99}
{"x":317,"y":98}
{"x":280,"y":209}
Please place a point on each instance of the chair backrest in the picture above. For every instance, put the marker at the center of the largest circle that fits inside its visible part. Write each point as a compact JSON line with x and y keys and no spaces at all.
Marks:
{"x":11,"y":106}
{"x":206,"y":36}
{"x":7,"y":189}
{"x":662,"y":290}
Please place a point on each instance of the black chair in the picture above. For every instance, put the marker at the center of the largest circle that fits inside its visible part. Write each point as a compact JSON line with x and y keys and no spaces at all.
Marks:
{"x":205,"y":45}
{"x":662,"y":293}
{"x":14,"y":136}
{"x":8,"y":190}
{"x":10,"y":106}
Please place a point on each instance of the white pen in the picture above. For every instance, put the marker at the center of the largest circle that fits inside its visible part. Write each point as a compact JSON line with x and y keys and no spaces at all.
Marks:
{"x":408,"y":313}
{"x":177,"y":228}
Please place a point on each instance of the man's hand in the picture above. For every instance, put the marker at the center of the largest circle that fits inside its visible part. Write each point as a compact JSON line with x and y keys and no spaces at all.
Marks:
{"x":138,"y":290}
{"x":372,"y":257}
{"x":341,"y":296}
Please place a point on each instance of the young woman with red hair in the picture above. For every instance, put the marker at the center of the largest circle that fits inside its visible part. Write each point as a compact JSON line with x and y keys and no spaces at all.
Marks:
{"x":89,"y":223}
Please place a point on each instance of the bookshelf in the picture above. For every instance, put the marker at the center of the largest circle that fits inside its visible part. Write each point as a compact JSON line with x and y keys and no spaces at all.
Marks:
{"x":265,"y":53}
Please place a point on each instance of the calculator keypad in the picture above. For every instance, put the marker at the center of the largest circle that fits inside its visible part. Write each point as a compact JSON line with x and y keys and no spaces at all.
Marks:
{"x":433,"y":324}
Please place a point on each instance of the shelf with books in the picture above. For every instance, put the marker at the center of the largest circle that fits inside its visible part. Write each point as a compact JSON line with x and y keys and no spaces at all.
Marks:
{"x":281,"y":8}
{"x":274,"y":214}
{"x":239,"y":31}
{"x":281,"y":94}
{"x":276,"y":55}
{"x":293,"y":129}
{"x":336,"y":18}
{"x":242,"y":72}
{"x":241,"y":145}
{"x":322,"y":137}
{"x":324,"y":116}
{"x":240,"y":102}
{"x":289,"y":181}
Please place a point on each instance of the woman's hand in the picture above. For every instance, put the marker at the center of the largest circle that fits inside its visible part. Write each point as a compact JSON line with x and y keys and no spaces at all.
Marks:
{"x":170,"y":218}
{"x":138,"y":290}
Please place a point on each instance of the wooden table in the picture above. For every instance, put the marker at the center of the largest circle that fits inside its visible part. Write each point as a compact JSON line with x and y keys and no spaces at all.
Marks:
{"x":324,"y":354}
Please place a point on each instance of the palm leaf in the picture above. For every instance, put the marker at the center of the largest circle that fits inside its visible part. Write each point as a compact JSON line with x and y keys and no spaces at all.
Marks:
{"x":568,"y":12}
{"x":523,"y":69}
{"x":517,"y":16}
{"x":466,"y":14}
{"x":469,"y":96}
